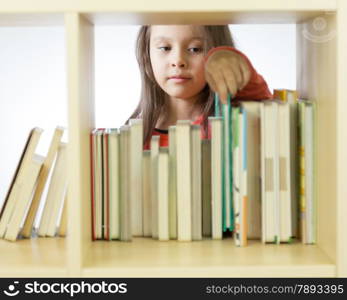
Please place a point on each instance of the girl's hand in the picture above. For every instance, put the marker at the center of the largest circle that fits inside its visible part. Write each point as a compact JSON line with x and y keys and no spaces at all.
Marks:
{"x":226,"y":72}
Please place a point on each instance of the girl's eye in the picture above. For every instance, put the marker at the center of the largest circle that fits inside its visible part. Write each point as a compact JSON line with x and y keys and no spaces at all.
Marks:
{"x":164,"y":48}
{"x":195,"y":49}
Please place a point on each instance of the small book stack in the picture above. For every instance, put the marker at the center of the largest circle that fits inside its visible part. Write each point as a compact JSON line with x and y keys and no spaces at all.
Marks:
{"x":35,"y":175}
{"x":253,"y":177}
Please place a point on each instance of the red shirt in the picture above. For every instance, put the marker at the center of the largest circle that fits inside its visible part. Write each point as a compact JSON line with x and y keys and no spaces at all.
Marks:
{"x":256,"y":89}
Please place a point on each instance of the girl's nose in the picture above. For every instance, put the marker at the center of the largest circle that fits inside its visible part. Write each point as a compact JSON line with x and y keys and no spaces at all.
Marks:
{"x":179,"y":61}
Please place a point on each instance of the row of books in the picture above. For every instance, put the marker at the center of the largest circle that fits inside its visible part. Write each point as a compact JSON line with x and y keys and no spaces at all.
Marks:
{"x":253,"y":177}
{"x":37,"y":193}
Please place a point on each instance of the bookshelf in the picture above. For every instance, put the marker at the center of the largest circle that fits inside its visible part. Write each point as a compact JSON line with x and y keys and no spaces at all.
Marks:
{"x":321,"y":77}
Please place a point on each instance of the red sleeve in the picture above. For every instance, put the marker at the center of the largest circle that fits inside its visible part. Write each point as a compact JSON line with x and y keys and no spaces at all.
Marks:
{"x":256,"y":88}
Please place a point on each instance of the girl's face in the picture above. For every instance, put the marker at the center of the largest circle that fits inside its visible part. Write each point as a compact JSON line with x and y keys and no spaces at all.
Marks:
{"x":177,"y":59}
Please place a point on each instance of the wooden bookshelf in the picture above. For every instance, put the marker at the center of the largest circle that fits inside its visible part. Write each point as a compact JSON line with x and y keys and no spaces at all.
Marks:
{"x":320,"y":77}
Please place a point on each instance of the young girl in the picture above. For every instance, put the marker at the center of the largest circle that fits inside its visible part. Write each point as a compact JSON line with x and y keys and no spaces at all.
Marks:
{"x":181,"y":66}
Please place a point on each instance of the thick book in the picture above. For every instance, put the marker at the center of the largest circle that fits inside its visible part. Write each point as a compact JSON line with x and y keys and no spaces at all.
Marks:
{"x":216,"y":124}
{"x":136,"y":142}
{"x":163,"y":194}
{"x":55,"y":195}
{"x":57,"y":190}
{"x":97,"y":183}
{"x":105,"y":186}
{"x":125,"y":201}
{"x":206,"y":187}
{"x":184,"y":192}
{"x":114,"y":183}
{"x":154,"y":180}
{"x":243,"y":204}
{"x":42,"y":182}
{"x":253,"y":168}
{"x":24,"y":194}
{"x":62,"y":227}
{"x":172,"y":183}
{"x":19,"y":177}
{"x":196,"y":182}
{"x":270,"y":172}
{"x":146,"y":192}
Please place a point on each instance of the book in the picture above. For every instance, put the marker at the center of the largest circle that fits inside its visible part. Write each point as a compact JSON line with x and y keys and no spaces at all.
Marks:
{"x":42,"y":181}
{"x":146,"y":187}
{"x":57,"y":190}
{"x":243,"y":199}
{"x":24,"y":194}
{"x":136,"y":142}
{"x":172,"y":183}
{"x":253,"y":168}
{"x":63,"y":219}
{"x":206,"y":187}
{"x":114,"y":182}
{"x":228,"y":214}
{"x":105,"y":203}
{"x":55,"y":195}
{"x":195,"y":182}
{"x":237,"y":168}
{"x":216,"y":124}
{"x":97,"y":183}
{"x":184,"y":192}
{"x":163,"y":194}
{"x":154,"y":180}
{"x":20,"y":175}
{"x":125,"y":202}
{"x":270,"y":172}
{"x":307,"y":198}
{"x":289,"y":99}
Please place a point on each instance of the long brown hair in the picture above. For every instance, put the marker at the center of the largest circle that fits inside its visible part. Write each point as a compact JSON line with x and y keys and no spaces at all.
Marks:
{"x":152,"y":100}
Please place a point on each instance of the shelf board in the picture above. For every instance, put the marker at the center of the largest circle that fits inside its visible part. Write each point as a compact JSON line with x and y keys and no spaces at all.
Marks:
{"x":162,"y":6}
{"x":37,"y":257}
{"x":144,"y":257}
{"x":137,"y":12}
{"x":31,"y":19}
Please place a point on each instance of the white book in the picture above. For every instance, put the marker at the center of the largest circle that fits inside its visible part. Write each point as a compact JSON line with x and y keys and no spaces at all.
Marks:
{"x":237,"y":167}
{"x":114,"y":186}
{"x":136,"y":142}
{"x":98,"y":176}
{"x":125,"y":203}
{"x":146,"y":183}
{"x":58,"y":187}
{"x":184,"y":193}
{"x":309,"y":178}
{"x":243,"y":198}
{"x":270,"y":172}
{"x":163,"y":194}
{"x":253,"y":168}
{"x":24,"y":194}
{"x":196,"y":182}
{"x":285,"y":176}
{"x":154,"y":192}
{"x":216,"y":176}
{"x":172,"y":183}
{"x":21,"y":174}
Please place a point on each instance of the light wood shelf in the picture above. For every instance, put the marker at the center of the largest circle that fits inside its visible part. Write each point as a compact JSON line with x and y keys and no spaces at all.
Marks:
{"x":39,"y":257}
{"x":321,"y":77}
{"x":145,"y":257}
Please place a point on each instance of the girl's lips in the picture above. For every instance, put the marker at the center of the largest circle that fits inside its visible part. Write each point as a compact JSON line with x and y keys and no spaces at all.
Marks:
{"x":179,"y":79}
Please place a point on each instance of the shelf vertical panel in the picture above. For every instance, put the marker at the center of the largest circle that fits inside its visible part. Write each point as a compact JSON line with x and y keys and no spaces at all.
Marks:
{"x":341,"y":252}
{"x":80,"y":67}
{"x":316,"y":80}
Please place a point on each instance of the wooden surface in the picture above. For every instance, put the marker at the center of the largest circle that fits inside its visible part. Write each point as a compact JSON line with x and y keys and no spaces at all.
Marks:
{"x":40,"y":257}
{"x":145,"y":257}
